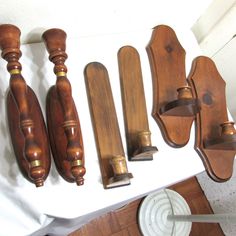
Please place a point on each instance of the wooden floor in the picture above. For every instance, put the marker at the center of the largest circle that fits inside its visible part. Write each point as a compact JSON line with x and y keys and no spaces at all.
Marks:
{"x":123,"y":222}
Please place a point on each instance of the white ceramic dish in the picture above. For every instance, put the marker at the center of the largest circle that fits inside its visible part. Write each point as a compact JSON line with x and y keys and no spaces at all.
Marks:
{"x":155,"y":208}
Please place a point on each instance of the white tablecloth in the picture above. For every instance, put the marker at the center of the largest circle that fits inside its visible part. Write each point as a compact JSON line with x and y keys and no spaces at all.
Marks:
{"x":60,"y":207}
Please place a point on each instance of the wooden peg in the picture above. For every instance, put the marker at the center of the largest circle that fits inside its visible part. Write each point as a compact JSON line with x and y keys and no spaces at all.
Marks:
{"x":25,"y":119}
{"x":138,"y":135}
{"x":215,"y":135}
{"x":62,"y":118}
{"x":106,"y":129}
{"x":174,"y":107}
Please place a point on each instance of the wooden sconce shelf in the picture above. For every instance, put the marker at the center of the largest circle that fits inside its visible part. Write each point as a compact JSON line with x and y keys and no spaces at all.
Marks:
{"x":138,"y":135}
{"x":110,"y":150}
{"x":26,"y":124}
{"x":174,"y":106}
{"x":184,"y":105}
{"x":62,"y":118}
{"x":226,"y":140}
{"x":215,"y":135}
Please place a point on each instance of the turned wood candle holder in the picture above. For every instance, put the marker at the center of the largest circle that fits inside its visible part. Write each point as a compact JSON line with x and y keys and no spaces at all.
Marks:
{"x":174,"y":107}
{"x":110,"y":150}
{"x":226,"y":140}
{"x":215,"y":135}
{"x":138,"y":135}
{"x":62,"y":118}
{"x":25,"y":119}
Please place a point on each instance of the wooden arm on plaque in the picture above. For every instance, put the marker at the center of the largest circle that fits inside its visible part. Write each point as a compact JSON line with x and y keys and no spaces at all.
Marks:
{"x":110,"y":150}
{"x":174,"y":107}
{"x":138,"y":135}
{"x":215,"y":135}
{"x":63,"y":122}
{"x":25,"y":119}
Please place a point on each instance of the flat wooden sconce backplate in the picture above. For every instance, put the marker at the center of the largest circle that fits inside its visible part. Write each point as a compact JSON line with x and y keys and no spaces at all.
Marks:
{"x":106,"y":129}
{"x":215,"y":143}
{"x":173,"y":112}
{"x":138,"y":136}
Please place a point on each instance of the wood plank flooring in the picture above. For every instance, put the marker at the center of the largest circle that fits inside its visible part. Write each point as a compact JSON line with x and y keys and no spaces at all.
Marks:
{"x":123,"y":222}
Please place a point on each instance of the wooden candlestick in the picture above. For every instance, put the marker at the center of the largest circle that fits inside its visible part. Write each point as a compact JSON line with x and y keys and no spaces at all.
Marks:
{"x":62,"y":118}
{"x":25,"y":119}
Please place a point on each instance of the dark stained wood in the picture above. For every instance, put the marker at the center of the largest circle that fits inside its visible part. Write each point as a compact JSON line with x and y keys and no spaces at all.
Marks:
{"x":216,"y":148}
{"x":124,"y":221}
{"x":106,"y":129}
{"x":173,"y":112}
{"x":138,"y":135}
{"x":25,"y":119}
{"x":64,"y":127}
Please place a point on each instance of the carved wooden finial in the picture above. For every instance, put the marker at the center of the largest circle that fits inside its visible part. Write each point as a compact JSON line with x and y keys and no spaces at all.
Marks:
{"x":55,"y":41}
{"x":10,"y":46}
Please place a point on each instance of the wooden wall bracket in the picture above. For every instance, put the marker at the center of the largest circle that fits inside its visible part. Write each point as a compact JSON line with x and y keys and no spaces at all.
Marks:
{"x":26,"y":124}
{"x":62,"y":118}
{"x":174,"y":107}
{"x":138,"y":135}
{"x":110,"y":150}
{"x":215,"y":135}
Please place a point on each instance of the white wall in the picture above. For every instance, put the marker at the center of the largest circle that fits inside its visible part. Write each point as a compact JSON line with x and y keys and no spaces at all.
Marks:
{"x":215,"y":32}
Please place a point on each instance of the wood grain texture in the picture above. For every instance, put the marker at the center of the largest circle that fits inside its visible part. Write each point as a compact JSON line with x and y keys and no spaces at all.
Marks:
{"x":167,"y":62}
{"x":123,"y":222}
{"x":25,"y":119}
{"x":209,"y":88}
{"x":64,"y":127}
{"x":134,"y":104}
{"x":104,"y":119}
{"x":58,"y":137}
{"x":18,"y":139}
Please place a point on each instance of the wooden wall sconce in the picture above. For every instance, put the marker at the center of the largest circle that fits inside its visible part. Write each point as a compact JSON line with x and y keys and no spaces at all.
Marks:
{"x":215,"y":135}
{"x":62,"y":118}
{"x":26,"y":124}
{"x":174,"y":107}
{"x":106,"y":129}
{"x":138,"y":135}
